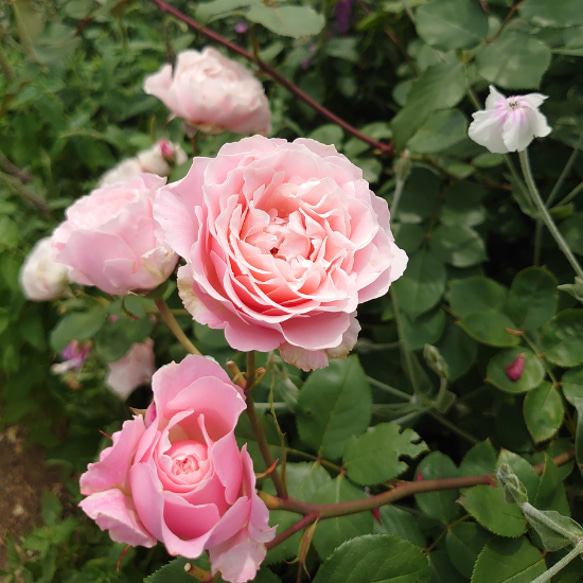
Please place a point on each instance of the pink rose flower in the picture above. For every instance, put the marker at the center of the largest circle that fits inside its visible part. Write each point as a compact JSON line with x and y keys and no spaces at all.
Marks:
{"x":111,"y":240}
{"x":177,"y":476}
{"x":282,"y":241}
{"x":42,"y":278}
{"x":134,"y":369}
{"x":212,"y":93}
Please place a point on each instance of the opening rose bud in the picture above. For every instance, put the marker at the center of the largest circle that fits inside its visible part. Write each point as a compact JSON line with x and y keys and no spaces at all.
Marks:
{"x":282,"y":241}
{"x":176,"y":475}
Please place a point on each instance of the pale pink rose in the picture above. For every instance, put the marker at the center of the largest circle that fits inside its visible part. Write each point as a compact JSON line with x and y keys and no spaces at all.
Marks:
{"x":177,"y":476}
{"x":42,"y":278}
{"x":160,"y":159}
{"x":282,"y":241}
{"x":212,"y":93}
{"x":111,"y":240}
{"x":134,"y":369}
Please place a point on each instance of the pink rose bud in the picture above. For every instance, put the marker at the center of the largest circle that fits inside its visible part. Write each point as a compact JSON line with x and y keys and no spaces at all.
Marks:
{"x":515,"y":368}
{"x":282,"y":241}
{"x":180,"y":478}
{"x":212,"y":93}
{"x":111,"y":240}
{"x":134,"y":369}
{"x":166,"y":149}
{"x":42,"y":278}
{"x":509,"y":124}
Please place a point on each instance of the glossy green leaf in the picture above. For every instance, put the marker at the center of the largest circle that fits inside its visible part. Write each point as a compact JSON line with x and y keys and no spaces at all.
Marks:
{"x":464,"y":542}
{"x":480,"y":460}
{"x":475,"y":294}
{"x":488,"y":506}
{"x":572,"y":385}
{"x":426,"y":329}
{"x":174,"y":571}
{"x":458,"y":246}
{"x":532,"y":300}
{"x":334,"y":404}
{"x":550,"y":494}
{"x":207,"y":11}
{"x":379,"y":557}
{"x":562,"y":338}
{"x":514,"y":61}
{"x":490,"y":327}
{"x":532,"y":375}
{"x":395,"y":520}
{"x":452,"y":24}
{"x":543,"y":411}
{"x":385,"y":442}
{"x":556,"y":14}
{"x":442,"y":569}
{"x":572,"y":230}
{"x":332,"y":532}
{"x":409,"y":236}
{"x":439,"y":505}
{"x":114,"y":339}
{"x":420,"y":196}
{"x":442,"y":129}
{"x":294,"y":21}
{"x":77,"y":326}
{"x":422,"y":285}
{"x":462,"y":206}
{"x":458,"y":349}
{"x":504,"y":561}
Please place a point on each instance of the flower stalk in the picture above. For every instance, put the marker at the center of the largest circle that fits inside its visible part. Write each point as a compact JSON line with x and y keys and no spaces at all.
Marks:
{"x":172,"y":323}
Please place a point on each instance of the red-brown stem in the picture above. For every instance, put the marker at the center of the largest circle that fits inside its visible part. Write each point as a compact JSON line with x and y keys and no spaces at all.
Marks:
{"x":401,"y":490}
{"x":291,"y":87}
{"x":299,"y":525}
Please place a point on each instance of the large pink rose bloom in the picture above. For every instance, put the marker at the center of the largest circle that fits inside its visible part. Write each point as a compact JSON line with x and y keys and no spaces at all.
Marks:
{"x":282,"y":241}
{"x":111,"y":240}
{"x":212,"y":93}
{"x":177,"y":476}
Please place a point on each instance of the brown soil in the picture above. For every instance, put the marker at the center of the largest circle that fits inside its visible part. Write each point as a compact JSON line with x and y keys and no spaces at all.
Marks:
{"x":23,"y":479}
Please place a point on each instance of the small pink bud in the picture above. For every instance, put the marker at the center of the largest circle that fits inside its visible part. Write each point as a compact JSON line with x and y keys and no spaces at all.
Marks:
{"x":166,"y":149}
{"x":515,"y":368}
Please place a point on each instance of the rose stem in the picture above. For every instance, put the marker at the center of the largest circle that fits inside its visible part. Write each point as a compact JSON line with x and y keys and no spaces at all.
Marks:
{"x":258,"y":428}
{"x":546,"y":217}
{"x":401,"y":490}
{"x":291,"y":87}
{"x":171,"y":322}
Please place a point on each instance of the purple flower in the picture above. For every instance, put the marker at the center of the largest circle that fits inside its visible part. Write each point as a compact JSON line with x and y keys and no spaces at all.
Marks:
{"x":74,"y":355}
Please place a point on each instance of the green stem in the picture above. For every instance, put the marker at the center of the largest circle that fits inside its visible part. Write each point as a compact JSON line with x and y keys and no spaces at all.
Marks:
{"x":453,"y":427}
{"x":571,"y":195}
{"x":559,"y":565}
{"x":389,"y":389}
{"x":566,"y":170}
{"x":171,"y":322}
{"x":258,"y":430}
{"x":544,"y":213}
{"x":397,"y":198}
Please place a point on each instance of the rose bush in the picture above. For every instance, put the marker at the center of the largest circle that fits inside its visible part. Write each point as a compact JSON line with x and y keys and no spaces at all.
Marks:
{"x":282,"y":241}
{"x":176,"y":474}
{"x":212,"y":93}
{"x":42,"y":278}
{"x":111,"y":240}
{"x":135,"y":368}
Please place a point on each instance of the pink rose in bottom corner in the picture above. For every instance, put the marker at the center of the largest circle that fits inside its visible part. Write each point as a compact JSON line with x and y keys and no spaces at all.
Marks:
{"x":176,"y":475}
{"x":134,"y":369}
{"x":282,"y":241}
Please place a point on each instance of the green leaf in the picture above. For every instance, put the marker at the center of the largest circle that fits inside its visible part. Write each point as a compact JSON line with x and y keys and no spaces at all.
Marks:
{"x":464,"y":543}
{"x":458,"y":246}
{"x":422,"y":285}
{"x":555,"y":530}
{"x":332,"y":532}
{"x":174,"y":571}
{"x":382,"y":558}
{"x":556,"y":14}
{"x":114,"y":339}
{"x":462,"y":206}
{"x":441,"y":130}
{"x":522,"y":469}
{"x":533,"y":298}
{"x":396,"y":521}
{"x":476,"y":294}
{"x":303,"y":481}
{"x":442,"y":570}
{"x":328,"y":134}
{"x":426,"y":329}
{"x":458,"y":349}
{"x":562,"y":338}
{"x":334,"y":404}
{"x":488,"y":506}
{"x":514,"y":61}
{"x":489,"y":327}
{"x":452,"y":24}
{"x":439,"y":505}
{"x":420,"y":196}
{"x":206,"y":11}
{"x":409,"y":236}
{"x":543,"y":412}
{"x":383,"y":442}
{"x":504,"y":561}
{"x":439,"y":87}
{"x":294,"y":21}
{"x":481,"y":459}
{"x":29,"y":22}
{"x":572,"y":230}
{"x":531,"y":377}
{"x":77,"y":326}
{"x":550,"y":494}
{"x":572,"y":385}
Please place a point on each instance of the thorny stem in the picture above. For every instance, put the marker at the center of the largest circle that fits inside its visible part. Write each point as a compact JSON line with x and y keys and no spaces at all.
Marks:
{"x":544,"y":213}
{"x":400,"y":491}
{"x":299,"y":525}
{"x":171,"y":322}
{"x":258,"y":431}
{"x":291,"y":87}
